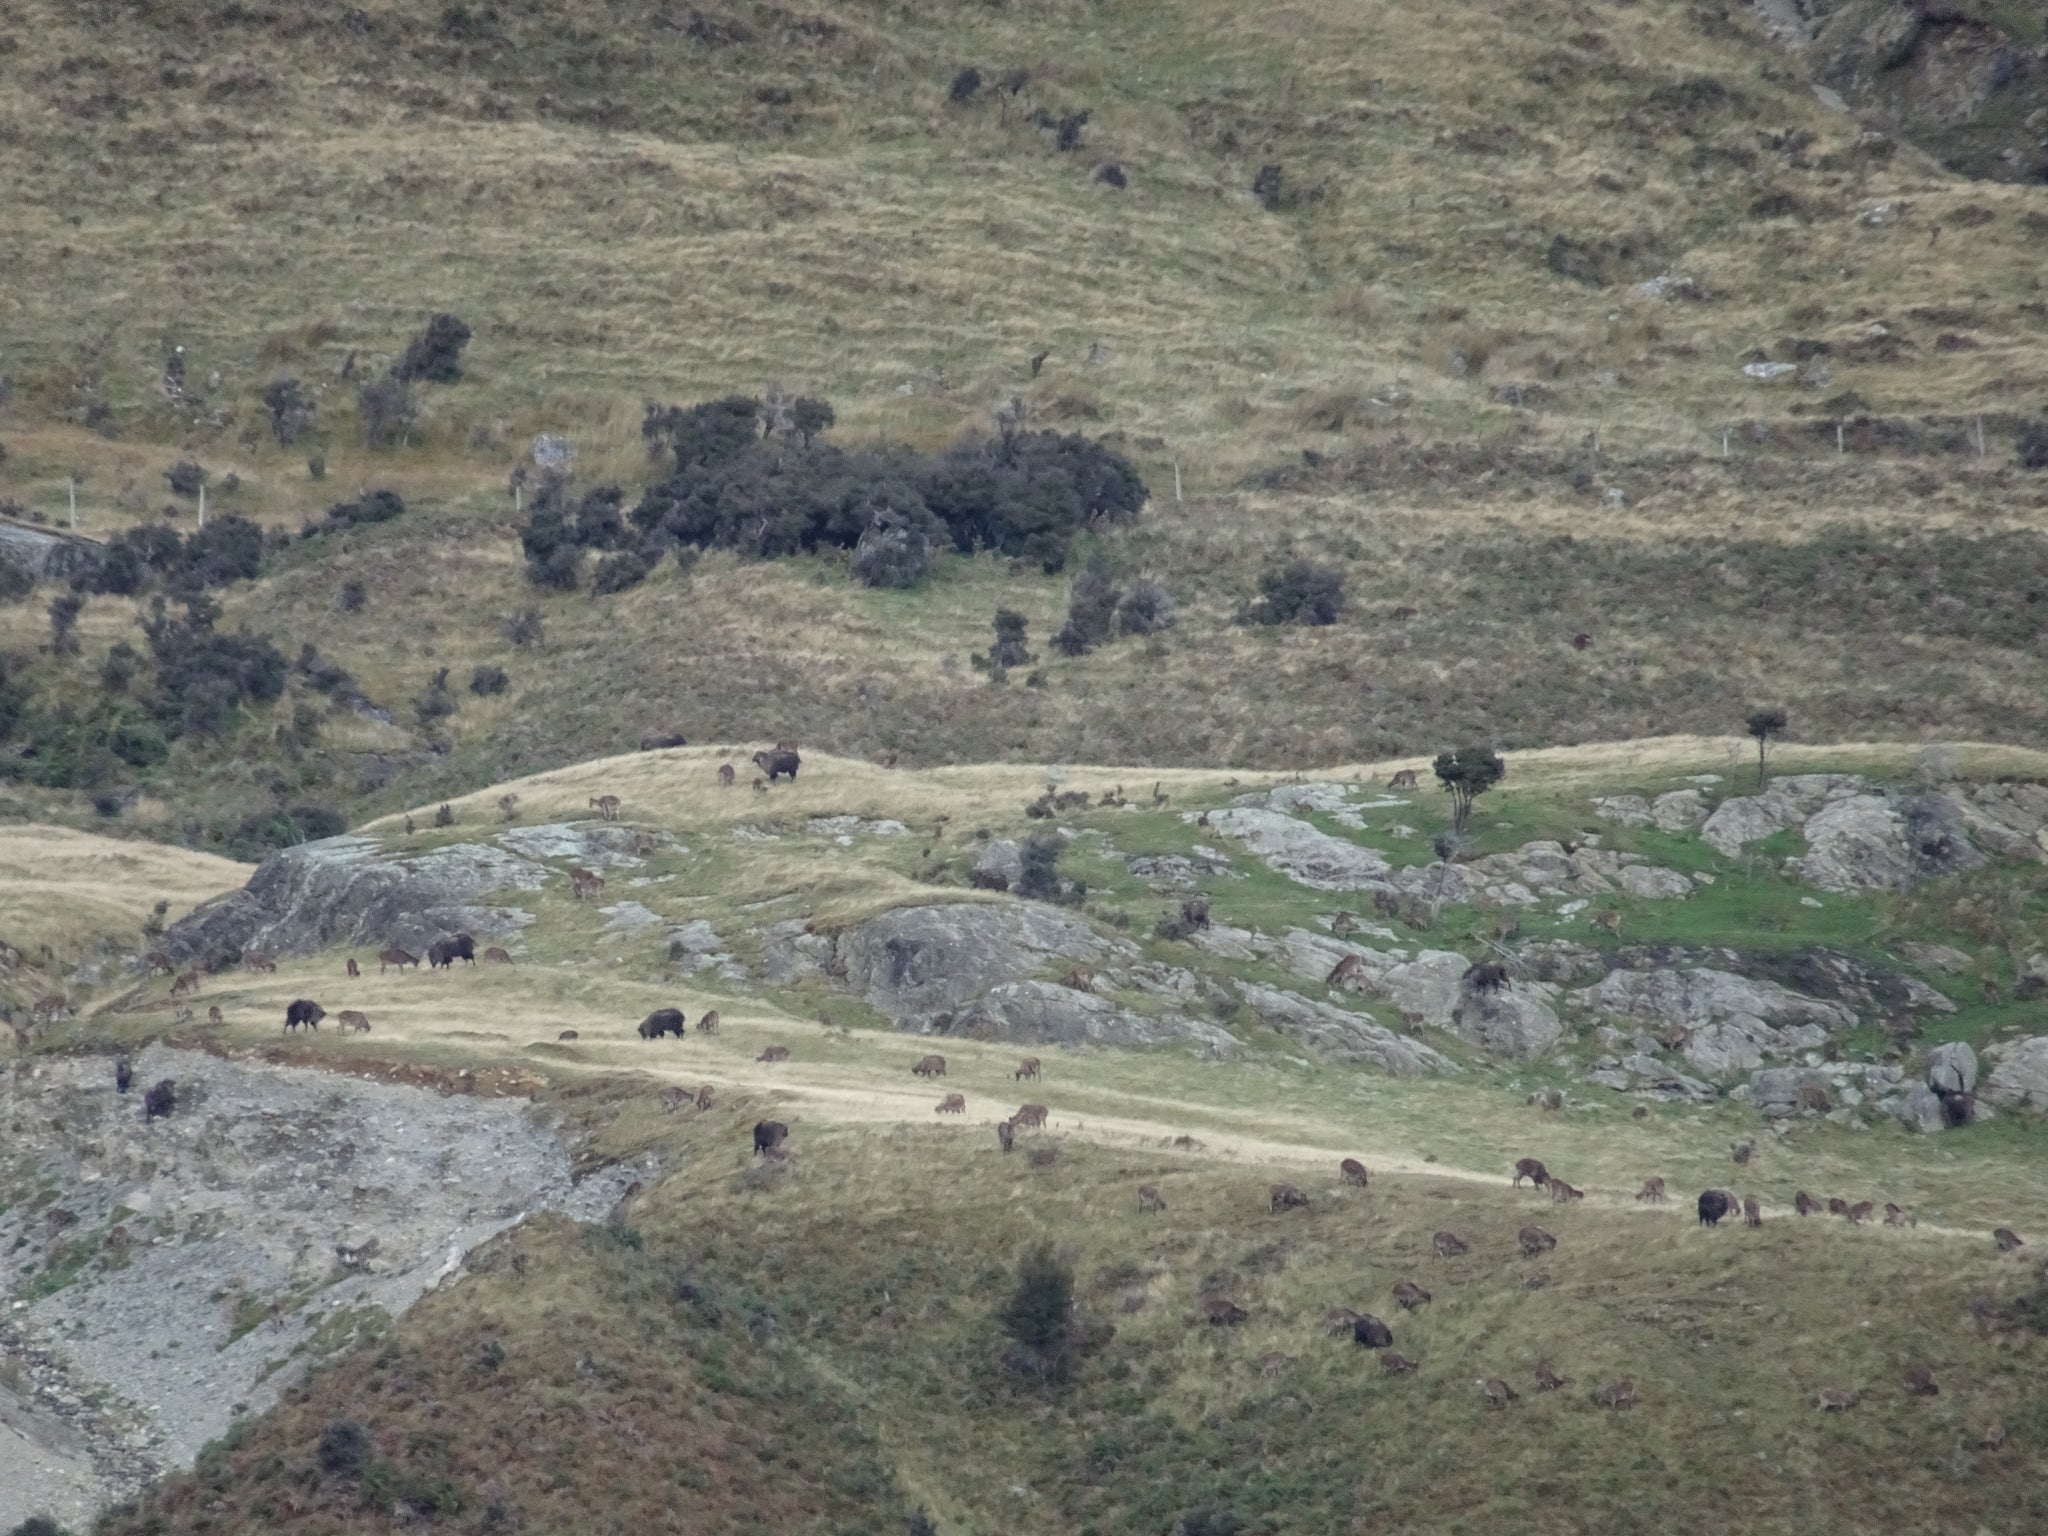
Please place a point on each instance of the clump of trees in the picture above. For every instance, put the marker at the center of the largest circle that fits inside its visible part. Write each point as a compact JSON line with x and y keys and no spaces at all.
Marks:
{"x":229,"y":548}
{"x":755,"y":476}
{"x":1299,"y":592}
{"x":1100,"y":607}
{"x":562,"y":527}
{"x":1039,"y":1316}
{"x":371,"y":507}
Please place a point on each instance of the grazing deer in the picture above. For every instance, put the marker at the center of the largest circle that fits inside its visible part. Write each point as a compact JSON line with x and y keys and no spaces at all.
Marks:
{"x":1353,"y":1172}
{"x":2007,"y":1239}
{"x":1921,"y":1383}
{"x":1804,"y":1203}
{"x":213,"y":1015}
{"x":1448,"y":1245}
{"x":1404,"y":779}
{"x":672,"y":1099}
{"x":1652,"y":1190}
{"x":1284,"y":1197}
{"x":1149,"y":1199}
{"x":952,"y":1104}
{"x":1394,"y":1363}
{"x":1547,"y":1380}
{"x":395,"y":956}
{"x":760,"y":788}
{"x":1027,"y":1069}
{"x":725,"y":775}
{"x":1560,"y":1191}
{"x":1347,"y":971}
{"x":496,"y":956}
{"x":1608,"y":921}
{"x":1857,"y":1212}
{"x":585,"y":884}
{"x":1837,"y":1206}
{"x":1535,"y":1240}
{"x":259,"y":960}
{"x":1835,"y":1399}
{"x":930,"y":1066}
{"x":1408,"y":1295}
{"x":1343,"y":923}
{"x":1895,"y":1217}
{"x":156,"y":960}
{"x":1338,"y":1320}
{"x":568,"y":1034}
{"x":354,"y":970}
{"x":350,"y":1019}
{"x":705,"y":1096}
{"x":1498,"y":1394}
{"x":774,"y":1053}
{"x":607,"y":806}
{"x":1752,"y":1212}
{"x":708,"y":1025}
{"x":1532,"y":1169}
{"x":1616,"y":1394}
{"x":1031,"y":1116}
{"x":180,"y":985}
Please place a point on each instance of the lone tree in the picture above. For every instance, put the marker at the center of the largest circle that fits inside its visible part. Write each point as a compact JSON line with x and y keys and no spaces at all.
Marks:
{"x":1467,"y":774}
{"x":1763,"y":725}
{"x":1039,"y":1314}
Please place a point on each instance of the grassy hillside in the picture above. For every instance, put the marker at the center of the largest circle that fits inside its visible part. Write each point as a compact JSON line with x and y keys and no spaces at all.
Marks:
{"x":1428,"y":364}
{"x":815,"y":1346}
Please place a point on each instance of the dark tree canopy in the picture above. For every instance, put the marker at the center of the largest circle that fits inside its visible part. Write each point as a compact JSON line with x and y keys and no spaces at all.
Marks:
{"x":1466,"y":774}
{"x":1763,"y":724}
{"x":435,"y":354}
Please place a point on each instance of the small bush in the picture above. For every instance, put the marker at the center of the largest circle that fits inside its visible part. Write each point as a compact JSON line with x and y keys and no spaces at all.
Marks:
{"x":316,"y":467}
{"x":16,"y":580}
{"x":2033,"y":445}
{"x":1066,"y":133}
{"x":964,"y":85}
{"x":487,"y":680}
{"x":616,"y":573}
{"x":122,"y":666}
{"x":559,"y":570}
{"x":1270,"y":187}
{"x":204,"y":676}
{"x":1010,"y":649}
{"x":227,"y":549}
{"x":64,"y":611}
{"x":1112,"y":175}
{"x":353,"y":596}
{"x":1039,"y":1315}
{"x":921,"y":1523}
{"x":344,"y":1448}
{"x":1091,"y":612}
{"x":444,"y":815}
{"x":379,"y":506}
{"x":386,"y":411}
{"x":257,"y":837}
{"x":434,"y":356}
{"x":39,"y":1525}
{"x":1298,"y":593}
{"x":291,"y":410}
{"x":1146,"y":609}
{"x":436,"y":703}
{"x":185,"y":478}
{"x":892,"y":552}
{"x":138,"y":743}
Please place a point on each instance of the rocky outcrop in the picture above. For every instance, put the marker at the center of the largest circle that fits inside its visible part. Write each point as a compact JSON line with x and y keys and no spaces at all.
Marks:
{"x":1046,"y":1013}
{"x":1646,"y":882}
{"x":1337,"y":1034}
{"x":1883,"y":842}
{"x":1678,"y":811}
{"x":1299,"y":851}
{"x":1643,"y":1072}
{"x":2011,"y":820}
{"x":352,"y":890}
{"x":1517,"y":1023}
{"x":1937,"y":957}
{"x":2019,"y":1076}
{"x":1952,"y":1068}
{"x":920,"y":965}
{"x":998,"y":864}
{"x":1783,"y":802}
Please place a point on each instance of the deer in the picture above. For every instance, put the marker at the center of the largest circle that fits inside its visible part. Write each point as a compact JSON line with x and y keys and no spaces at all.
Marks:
{"x":1535,"y":1240}
{"x":1652,"y":1190}
{"x":496,"y":956}
{"x":585,"y":884}
{"x":1285,"y":1197}
{"x":1028,"y":1068}
{"x":1404,"y":779}
{"x":1532,"y":1169}
{"x":607,"y":806}
{"x":774,"y":1053}
{"x":213,"y":1015}
{"x":1354,"y":1172}
{"x":1560,"y":1191}
{"x":952,"y":1104}
{"x":725,"y":775}
{"x":351,"y":1019}
{"x":1149,"y":1199}
{"x":398,"y":957}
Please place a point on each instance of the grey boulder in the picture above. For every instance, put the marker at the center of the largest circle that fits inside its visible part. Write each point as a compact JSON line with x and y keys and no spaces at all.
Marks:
{"x":1304,"y":854}
{"x":1952,"y":1068}
{"x":916,"y":963}
{"x":1045,"y":1013}
{"x":1883,"y":843}
{"x":1336,"y":1034}
{"x":2020,"y":1077}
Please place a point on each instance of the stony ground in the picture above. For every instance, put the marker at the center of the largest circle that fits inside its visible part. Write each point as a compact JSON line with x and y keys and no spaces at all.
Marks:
{"x":165,"y":1278}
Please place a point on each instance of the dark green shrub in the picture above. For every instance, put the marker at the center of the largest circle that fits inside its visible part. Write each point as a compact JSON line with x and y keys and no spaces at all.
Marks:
{"x":204,"y":676}
{"x":386,"y":411}
{"x":436,"y":703}
{"x":703,"y":434}
{"x":185,"y":478}
{"x":1039,"y":1315}
{"x":2032,"y":445}
{"x":434,"y":356}
{"x":39,"y":1525}
{"x":16,"y":580}
{"x":1466,"y":774}
{"x":964,"y":85}
{"x":1270,"y":187}
{"x":353,"y":596}
{"x":1091,"y":612}
{"x":1010,"y":649}
{"x":256,"y":837}
{"x":64,"y":611}
{"x":1147,"y":608}
{"x":1763,"y":724}
{"x":227,"y":549}
{"x":379,"y":506}
{"x":138,"y":743}
{"x":526,"y":627}
{"x":560,"y":570}
{"x":893,"y":552}
{"x":616,"y":573}
{"x":921,"y":1523}
{"x":487,"y":680}
{"x":121,"y":667}
{"x":1299,"y":592}
{"x":291,"y":410}
{"x":344,"y":1448}
{"x":598,"y":524}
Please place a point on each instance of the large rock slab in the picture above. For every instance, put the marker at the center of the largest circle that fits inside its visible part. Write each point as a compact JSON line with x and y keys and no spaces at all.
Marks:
{"x":351,"y":890}
{"x":917,"y":963}
{"x":1302,"y":853}
{"x":1647,"y":882}
{"x":1883,"y":843}
{"x":1694,"y":997}
{"x":2009,"y":819}
{"x":2020,"y":1077}
{"x":1952,"y":1068}
{"x":1046,"y":1013}
{"x":1783,"y":802}
{"x":1432,"y":985}
{"x":1517,"y":1023}
{"x":1336,"y":1034}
